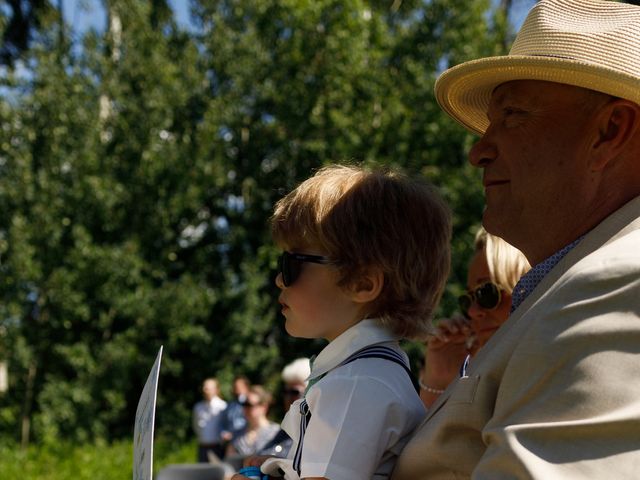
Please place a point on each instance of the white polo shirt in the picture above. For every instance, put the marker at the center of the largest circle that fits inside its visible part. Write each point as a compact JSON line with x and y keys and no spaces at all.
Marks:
{"x":207,"y":417}
{"x":361,"y":413}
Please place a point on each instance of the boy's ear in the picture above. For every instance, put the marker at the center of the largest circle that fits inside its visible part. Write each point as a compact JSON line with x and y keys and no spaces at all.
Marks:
{"x":368,"y":287}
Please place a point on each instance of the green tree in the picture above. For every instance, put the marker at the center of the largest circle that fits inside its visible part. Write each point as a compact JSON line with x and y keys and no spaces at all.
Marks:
{"x":91,"y":224}
{"x":138,"y":173}
{"x":24,"y":21}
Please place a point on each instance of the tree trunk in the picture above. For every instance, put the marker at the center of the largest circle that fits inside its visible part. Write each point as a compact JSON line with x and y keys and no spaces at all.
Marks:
{"x":28,"y":403}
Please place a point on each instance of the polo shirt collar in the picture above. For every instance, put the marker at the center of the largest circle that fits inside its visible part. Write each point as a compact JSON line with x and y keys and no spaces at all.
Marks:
{"x":362,"y":334}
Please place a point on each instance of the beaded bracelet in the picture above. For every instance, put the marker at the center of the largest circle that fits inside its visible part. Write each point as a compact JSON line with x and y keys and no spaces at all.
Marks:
{"x":427,"y":388}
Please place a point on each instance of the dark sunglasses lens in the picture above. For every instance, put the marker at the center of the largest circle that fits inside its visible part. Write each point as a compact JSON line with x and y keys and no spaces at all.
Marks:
{"x":290,"y":269}
{"x":464,"y":301}
{"x":282,"y":268}
{"x":488,"y":296}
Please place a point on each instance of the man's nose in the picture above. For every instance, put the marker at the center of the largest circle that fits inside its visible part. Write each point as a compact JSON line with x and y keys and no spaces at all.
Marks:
{"x":482,"y":152}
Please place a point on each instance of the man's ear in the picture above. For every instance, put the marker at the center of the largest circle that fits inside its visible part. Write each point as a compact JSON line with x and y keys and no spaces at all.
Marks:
{"x":619,"y":122}
{"x":368,"y":287}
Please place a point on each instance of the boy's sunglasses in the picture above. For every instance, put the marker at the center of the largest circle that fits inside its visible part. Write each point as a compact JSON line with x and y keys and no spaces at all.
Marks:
{"x":487,"y":296}
{"x":290,"y":265}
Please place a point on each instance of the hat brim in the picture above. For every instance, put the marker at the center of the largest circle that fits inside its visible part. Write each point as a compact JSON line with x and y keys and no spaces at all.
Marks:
{"x":464,"y":91}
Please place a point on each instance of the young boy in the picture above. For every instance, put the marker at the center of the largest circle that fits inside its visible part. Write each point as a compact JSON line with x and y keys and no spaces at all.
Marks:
{"x":366,"y":257}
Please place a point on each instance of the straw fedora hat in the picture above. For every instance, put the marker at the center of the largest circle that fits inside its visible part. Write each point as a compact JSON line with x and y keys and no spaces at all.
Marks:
{"x":593,"y":44}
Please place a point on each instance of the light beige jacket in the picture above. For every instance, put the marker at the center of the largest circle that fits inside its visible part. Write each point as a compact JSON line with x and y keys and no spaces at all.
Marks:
{"x":555,"y":394}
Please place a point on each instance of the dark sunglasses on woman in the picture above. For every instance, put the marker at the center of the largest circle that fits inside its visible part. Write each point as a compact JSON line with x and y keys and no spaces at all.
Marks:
{"x":487,"y":296}
{"x":290,"y":265}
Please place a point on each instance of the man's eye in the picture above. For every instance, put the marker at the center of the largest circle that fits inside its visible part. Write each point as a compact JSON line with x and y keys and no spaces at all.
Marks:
{"x":512,"y":117}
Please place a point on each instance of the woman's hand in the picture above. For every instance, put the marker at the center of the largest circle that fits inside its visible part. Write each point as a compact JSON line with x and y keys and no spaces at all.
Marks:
{"x":443,"y":355}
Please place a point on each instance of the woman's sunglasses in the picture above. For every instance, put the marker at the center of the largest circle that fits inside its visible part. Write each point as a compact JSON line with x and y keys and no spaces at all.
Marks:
{"x":290,"y":265}
{"x":487,"y":296}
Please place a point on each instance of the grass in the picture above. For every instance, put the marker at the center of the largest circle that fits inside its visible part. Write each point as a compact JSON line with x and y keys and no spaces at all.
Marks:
{"x":65,"y":461}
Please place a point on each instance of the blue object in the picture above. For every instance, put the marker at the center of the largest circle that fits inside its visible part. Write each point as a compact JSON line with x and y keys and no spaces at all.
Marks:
{"x":253,"y":473}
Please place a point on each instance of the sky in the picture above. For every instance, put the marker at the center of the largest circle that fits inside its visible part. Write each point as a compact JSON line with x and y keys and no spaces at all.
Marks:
{"x":85,"y":14}
{"x":519,"y":12}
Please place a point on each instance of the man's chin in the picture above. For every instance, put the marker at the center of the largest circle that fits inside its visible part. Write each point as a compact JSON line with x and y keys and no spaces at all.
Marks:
{"x":488,"y":220}
{"x":493,"y":222}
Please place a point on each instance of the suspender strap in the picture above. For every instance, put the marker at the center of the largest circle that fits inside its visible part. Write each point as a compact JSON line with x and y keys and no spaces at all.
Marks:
{"x":374,"y":351}
{"x":378,"y":351}
{"x":305,"y":417}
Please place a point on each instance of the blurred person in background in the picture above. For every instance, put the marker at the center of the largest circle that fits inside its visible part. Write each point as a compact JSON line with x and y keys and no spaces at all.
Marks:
{"x":493,"y":272}
{"x":260,"y":430}
{"x":207,"y":421}
{"x":234,"y":422}
{"x":294,"y":377}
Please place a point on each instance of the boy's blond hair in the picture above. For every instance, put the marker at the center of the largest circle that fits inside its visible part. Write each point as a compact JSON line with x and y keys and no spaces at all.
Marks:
{"x":363,"y":219}
{"x":506,"y":263}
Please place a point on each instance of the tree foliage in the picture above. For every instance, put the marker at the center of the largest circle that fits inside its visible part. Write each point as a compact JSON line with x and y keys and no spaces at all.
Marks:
{"x":138,"y":173}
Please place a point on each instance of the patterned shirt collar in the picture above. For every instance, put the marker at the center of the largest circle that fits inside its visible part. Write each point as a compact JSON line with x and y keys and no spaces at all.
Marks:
{"x":533,"y":277}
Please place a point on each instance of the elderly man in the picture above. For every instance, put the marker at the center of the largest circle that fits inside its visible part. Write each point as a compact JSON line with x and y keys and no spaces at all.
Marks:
{"x":555,"y":393}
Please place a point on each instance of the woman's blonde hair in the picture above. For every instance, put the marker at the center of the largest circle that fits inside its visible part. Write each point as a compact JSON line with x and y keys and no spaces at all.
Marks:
{"x":363,"y":219}
{"x":506,"y":263}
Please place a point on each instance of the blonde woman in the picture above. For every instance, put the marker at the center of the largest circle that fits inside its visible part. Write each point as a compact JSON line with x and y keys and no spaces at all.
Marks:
{"x":493,"y":272}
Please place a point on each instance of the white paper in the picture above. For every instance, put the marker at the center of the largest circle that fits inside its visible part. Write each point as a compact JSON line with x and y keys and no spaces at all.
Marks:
{"x":143,"y":428}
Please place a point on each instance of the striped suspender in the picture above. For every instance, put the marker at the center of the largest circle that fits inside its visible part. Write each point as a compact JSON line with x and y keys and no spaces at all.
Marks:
{"x":305,"y":417}
{"x":374,"y":351}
